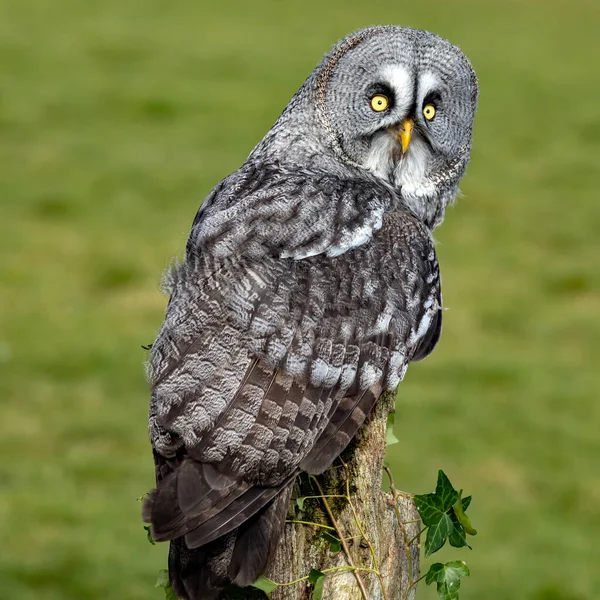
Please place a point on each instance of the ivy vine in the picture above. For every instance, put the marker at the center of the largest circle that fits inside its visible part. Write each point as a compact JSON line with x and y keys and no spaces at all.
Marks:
{"x":443,"y":519}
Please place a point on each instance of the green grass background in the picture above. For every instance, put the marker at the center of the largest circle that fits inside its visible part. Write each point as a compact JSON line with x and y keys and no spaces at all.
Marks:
{"x":116,"y":119}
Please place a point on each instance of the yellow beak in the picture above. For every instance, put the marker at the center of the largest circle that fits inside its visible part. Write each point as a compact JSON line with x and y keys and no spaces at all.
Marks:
{"x":405,"y":132}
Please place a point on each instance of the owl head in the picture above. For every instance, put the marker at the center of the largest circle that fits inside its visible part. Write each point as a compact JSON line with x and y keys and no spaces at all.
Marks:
{"x":392,"y":103}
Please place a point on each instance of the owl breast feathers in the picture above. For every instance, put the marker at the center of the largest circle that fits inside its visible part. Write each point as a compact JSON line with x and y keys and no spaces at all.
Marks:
{"x":309,"y":284}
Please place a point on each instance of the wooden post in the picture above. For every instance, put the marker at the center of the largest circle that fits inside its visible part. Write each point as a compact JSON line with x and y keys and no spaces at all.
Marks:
{"x":382,"y":545}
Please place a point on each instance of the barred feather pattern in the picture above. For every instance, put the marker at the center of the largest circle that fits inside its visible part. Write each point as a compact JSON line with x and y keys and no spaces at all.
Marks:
{"x":279,"y":337}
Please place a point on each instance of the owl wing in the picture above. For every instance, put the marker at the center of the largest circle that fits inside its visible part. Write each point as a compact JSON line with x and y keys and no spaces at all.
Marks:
{"x":267,"y":365}
{"x":271,"y":210}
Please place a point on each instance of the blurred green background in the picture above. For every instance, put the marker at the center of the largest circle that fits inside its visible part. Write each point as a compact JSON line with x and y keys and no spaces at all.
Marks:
{"x":116,"y":119}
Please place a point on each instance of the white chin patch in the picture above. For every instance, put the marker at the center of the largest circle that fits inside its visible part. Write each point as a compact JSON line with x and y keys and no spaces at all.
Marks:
{"x":380,"y":158}
{"x":409,"y":172}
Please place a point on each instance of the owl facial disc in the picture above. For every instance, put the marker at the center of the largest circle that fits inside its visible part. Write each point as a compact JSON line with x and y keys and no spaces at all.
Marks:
{"x":392,"y":101}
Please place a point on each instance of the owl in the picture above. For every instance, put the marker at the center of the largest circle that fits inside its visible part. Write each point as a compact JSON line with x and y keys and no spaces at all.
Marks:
{"x":310,"y":282}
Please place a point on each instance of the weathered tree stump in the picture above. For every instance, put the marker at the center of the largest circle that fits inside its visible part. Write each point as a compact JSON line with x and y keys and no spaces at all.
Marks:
{"x":382,"y":544}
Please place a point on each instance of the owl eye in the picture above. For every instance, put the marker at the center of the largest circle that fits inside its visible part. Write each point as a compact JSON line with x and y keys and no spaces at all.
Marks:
{"x":429,"y":111}
{"x":379,"y":102}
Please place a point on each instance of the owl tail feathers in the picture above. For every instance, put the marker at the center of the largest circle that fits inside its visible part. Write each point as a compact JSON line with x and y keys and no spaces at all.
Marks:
{"x":257,"y":539}
{"x":199,"y":573}
{"x":237,"y":558}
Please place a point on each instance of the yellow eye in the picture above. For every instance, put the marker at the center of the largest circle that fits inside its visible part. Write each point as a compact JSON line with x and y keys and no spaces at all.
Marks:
{"x":429,"y":111}
{"x":379,"y":102}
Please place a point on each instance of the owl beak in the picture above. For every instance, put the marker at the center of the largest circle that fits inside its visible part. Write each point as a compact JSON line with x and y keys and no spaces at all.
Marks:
{"x":404,"y":133}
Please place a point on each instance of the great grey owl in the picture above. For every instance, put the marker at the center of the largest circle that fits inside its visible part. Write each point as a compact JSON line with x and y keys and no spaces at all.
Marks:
{"x":310,"y":282}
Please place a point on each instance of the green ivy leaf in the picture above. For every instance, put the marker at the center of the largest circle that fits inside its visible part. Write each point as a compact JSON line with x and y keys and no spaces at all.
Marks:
{"x":300,"y":502}
{"x":445,"y":491}
{"x":461,"y":515}
{"x":458,"y":537}
{"x":433,"y":509}
{"x":317,"y":579}
{"x":314,"y":575}
{"x":430,"y":508}
{"x":163,"y":579}
{"x":433,"y":506}
{"x":437,"y":534}
{"x":448,"y":578}
{"x":318,"y":589}
{"x":466,"y":502}
{"x":163,"y":582}
{"x":149,"y":535}
{"x":265,"y":585}
{"x":170,"y":594}
{"x":335,"y":544}
{"x":390,"y":438}
{"x":433,"y":572}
